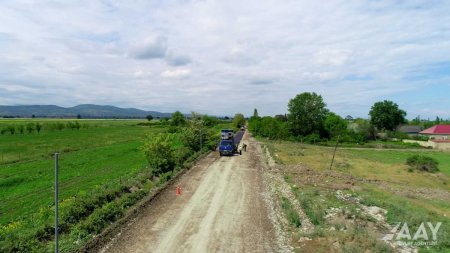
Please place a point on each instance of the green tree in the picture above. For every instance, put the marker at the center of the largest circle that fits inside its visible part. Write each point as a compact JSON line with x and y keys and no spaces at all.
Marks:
{"x":159,"y":152}
{"x":255,"y":113}
{"x":21,"y":129}
{"x":366,"y":128}
{"x":306,"y":113}
{"x":30,"y":128}
{"x":195,"y":134}
{"x":78,"y":116}
{"x":178,"y":119}
{"x":335,"y":124}
{"x":386,"y":115}
{"x":12,"y":129}
{"x":149,"y":117}
{"x":280,"y":117}
{"x":438,"y":120}
{"x":239,"y":120}
{"x":38,"y":127}
{"x":209,"y":120}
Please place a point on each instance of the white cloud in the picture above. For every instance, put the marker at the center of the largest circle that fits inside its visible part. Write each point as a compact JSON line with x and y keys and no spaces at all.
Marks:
{"x":354,"y":53}
{"x":333,"y":57}
{"x":176,"y":73}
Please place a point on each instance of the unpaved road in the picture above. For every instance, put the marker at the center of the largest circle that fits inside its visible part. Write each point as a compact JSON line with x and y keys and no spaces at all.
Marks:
{"x":221,"y":209}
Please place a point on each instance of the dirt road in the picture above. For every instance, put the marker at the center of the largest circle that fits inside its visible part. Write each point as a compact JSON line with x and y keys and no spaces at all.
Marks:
{"x":222,"y":209}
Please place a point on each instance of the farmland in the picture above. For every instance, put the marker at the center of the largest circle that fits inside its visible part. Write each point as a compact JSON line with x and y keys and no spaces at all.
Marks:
{"x":106,"y":150}
{"x":365,"y":177}
{"x":99,"y":163}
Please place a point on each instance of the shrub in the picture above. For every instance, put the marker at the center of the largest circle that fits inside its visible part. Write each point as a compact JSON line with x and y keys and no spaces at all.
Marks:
{"x":312,"y":138}
{"x":159,"y":152}
{"x":423,"y":163}
{"x":21,"y":129}
{"x":190,"y":137}
{"x":38,"y":127}
{"x":30,"y":128}
{"x":12,"y":129}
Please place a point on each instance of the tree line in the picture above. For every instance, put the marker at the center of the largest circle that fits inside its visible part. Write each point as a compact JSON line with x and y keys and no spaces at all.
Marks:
{"x":309,"y":120}
{"x":37,"y":127}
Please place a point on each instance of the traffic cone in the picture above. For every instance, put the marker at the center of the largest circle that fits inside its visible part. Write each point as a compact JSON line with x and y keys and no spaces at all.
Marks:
{"x":178,"y":191}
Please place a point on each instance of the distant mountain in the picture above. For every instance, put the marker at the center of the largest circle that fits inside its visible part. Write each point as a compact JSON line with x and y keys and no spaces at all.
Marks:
{"x":86,"y":111}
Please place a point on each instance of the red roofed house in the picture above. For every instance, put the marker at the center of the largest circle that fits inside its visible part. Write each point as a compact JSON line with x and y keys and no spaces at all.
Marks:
{"x":438,"y":133}
{"x":439,"y":137}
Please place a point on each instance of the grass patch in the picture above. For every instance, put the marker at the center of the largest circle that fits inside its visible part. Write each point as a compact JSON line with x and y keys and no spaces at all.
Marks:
{"x":291,"y":214}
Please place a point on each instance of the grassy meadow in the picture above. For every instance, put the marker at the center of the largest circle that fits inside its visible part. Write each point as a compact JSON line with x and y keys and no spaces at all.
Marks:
{"x":104,"y":150}
{"x":378,"y":177}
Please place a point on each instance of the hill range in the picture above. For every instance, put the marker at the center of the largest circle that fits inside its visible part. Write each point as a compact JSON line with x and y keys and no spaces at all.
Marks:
{"x":84,"y":110}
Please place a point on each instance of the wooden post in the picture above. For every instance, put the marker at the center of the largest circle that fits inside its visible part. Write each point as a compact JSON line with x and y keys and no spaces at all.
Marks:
{"x":334,"y":153}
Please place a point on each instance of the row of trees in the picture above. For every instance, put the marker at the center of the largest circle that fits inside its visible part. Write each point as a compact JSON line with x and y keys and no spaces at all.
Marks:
{"x":29,"y":128}
{"x":37,"y":127}
{"x":309,"y":120}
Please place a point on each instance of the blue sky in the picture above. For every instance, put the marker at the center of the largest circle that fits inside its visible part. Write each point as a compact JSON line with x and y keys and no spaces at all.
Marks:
{"x":223,"y":57}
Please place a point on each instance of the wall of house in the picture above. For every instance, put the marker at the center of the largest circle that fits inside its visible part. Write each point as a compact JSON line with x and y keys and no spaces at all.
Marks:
{"x":445,"y":146}
{"x":421,"y":143}
{"x":440,"y":137}
{"x":442,"y":146}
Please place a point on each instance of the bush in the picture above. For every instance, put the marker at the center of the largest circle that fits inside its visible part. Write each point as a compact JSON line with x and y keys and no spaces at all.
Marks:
{"x":423,"y":163}
{"x":11,"y":129}
{"x":159,"y":152}
{"x":312,"y":138}
{"x":190,"y":137}
{"x":398,"y":135}
{"x":30,"y":128}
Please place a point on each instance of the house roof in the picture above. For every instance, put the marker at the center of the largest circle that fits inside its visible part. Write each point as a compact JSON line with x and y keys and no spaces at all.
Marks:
{"x":437,"y":129}
{"x":409,"y":129}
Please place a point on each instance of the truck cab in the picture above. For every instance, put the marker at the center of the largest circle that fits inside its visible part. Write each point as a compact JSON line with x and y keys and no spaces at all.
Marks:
{"x":227,"y":147}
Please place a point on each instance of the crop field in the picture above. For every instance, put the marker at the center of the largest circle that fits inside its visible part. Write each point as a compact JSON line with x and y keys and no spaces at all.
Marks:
{"x":376,"y":177}
{"x":100,"y":151}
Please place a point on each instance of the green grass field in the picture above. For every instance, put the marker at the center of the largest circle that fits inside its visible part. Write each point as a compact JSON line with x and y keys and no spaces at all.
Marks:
{"x":89,"y":157}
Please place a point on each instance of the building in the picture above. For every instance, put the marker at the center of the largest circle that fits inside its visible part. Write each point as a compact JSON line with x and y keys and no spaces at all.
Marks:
{"x":409,"y":130}
{"x":438,"y":133}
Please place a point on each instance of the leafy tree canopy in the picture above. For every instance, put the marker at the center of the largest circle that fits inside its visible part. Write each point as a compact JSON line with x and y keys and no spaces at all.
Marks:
{"x":178,"y":119}
{"x":239,"y":120}
{"x":386,"y":115}
{"x":307,"y":113}
{"x":335,"y":124}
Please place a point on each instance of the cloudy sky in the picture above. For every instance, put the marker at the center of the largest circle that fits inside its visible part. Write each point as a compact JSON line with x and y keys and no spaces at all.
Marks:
{"x":222,"y":57}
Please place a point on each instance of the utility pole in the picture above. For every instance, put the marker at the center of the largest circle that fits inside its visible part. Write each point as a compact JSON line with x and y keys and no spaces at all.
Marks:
{"x":56,"y":203}
{"x":334,"y":153}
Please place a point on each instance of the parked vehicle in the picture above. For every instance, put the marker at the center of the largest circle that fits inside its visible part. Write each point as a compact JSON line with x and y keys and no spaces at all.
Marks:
{"x":227,"y":147}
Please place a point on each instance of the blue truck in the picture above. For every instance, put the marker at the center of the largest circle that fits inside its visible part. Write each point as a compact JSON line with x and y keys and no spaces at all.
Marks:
{"x":227,"y":145}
